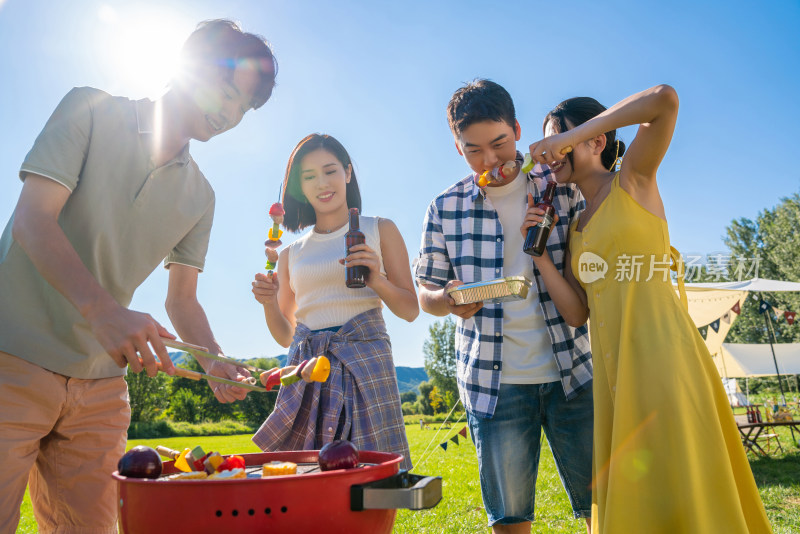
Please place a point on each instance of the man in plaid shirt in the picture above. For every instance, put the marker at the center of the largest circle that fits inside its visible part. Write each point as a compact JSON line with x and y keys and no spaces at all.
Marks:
{"x":520,"y":366}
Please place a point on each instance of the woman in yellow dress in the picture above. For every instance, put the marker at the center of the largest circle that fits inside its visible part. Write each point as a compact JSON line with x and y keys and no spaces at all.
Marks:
{"x":668,"y":457}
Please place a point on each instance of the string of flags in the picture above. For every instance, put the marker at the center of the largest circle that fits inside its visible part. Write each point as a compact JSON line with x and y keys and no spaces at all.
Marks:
{"x":789,"y":315}
{"x":727,"y":317}
{"x":763,"y":307}
{"x":454,"y":438}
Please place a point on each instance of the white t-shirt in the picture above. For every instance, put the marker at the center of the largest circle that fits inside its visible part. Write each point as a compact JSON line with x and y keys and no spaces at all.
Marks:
{"x":527,"y":348}
{"x":317,"y":278}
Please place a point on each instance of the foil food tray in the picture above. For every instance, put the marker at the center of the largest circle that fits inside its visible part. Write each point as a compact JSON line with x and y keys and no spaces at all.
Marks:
{"x":505,"y":289}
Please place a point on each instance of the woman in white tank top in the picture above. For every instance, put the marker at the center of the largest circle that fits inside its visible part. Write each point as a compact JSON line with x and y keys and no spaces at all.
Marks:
{"x":309,"y":309}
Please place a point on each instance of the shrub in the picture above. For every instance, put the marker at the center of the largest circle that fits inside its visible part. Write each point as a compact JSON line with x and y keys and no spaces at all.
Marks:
{"x":147,"y":395}
{"x":185,"y":406}
{"x":408,"y":396}
{"x":150,"y":429}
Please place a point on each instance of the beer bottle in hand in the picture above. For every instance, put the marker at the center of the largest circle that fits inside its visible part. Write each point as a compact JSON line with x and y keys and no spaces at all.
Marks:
{"x":356,"y":276}
{"x":536,"y":239}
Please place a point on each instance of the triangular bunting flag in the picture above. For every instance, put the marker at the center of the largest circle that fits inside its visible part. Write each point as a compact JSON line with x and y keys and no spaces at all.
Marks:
{"x":778,"y":313}
{"x":443,"y":445}
{"x":736,"y":308}
{"x":701,"y":332}
{"x":763,"y":307}
{"x":454,"y":439}
{"x":715,"y":325}
{"x":463,"y":432}
{"x":790,"y":315}
{"x":727,"y":317}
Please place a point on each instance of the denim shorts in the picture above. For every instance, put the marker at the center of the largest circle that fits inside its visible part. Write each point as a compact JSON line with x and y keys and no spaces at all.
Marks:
{"x":508,"y":448}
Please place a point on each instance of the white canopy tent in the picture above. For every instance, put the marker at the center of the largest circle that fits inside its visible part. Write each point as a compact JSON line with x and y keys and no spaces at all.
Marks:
{"x":740,"y":360}
{"x":709,"y":302}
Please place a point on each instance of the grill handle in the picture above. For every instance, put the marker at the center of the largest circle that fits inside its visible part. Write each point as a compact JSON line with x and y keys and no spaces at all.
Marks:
{"x":403,"y":490}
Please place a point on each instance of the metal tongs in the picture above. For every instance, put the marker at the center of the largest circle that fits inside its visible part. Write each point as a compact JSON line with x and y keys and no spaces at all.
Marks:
{"x":196,"y":350}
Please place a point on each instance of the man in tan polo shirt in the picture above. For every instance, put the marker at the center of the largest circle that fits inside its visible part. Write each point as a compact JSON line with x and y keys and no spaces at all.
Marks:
{"x":110,"y":190}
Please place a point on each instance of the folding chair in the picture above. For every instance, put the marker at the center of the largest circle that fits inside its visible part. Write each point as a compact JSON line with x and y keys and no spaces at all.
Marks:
{"x":766,"y":441}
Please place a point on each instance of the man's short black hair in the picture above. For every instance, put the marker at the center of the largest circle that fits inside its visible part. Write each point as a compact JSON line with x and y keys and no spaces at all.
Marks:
{"x":220,"y":45}
{"x":480,"y":100}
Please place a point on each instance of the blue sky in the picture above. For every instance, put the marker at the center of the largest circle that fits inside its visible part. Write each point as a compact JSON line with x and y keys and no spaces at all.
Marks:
{"x":378,"y":75}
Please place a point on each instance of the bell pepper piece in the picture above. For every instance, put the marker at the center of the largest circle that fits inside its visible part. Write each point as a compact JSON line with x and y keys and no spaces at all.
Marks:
{"x":212,"y":462}
{"x":273,"y":379}
{"x":200,"y":465}
{"x":196,"y":458}
{"x":236,"y":461}
{"x":321,"y":369}
{"x":181,"y":463}
{"x":275,"y":233}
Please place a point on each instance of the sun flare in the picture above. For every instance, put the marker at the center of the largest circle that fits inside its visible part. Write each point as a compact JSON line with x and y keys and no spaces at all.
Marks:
{"x":140,"y":45}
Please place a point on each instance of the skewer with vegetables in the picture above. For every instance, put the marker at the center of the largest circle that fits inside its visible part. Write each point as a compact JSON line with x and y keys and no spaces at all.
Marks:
{"x":273,"y":241}
{"x":314,"y":370}
{"x":508,"y":170}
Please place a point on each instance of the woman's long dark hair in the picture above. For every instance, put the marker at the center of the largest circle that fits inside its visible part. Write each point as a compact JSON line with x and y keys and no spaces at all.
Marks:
{"x":578,"y":110}
{"x":298,"y":211}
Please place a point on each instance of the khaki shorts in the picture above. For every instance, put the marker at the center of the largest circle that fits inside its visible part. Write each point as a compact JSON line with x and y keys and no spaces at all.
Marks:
{"x":64,"y":437}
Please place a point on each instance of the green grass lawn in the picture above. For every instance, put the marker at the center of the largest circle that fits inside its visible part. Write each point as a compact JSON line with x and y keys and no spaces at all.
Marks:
{"x":461,"y":509}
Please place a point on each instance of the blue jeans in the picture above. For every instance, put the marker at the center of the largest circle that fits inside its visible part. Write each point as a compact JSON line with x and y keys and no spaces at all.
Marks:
{"x":508,"y":448}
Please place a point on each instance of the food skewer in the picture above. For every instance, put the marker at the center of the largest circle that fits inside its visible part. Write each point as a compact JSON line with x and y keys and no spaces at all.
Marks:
{"x":501,"y":173}
{"x":314,"y":370}
{"x":273,"y":241}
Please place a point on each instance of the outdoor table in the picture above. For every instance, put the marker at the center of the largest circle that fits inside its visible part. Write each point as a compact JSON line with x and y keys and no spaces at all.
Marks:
{"x":751,"y":431}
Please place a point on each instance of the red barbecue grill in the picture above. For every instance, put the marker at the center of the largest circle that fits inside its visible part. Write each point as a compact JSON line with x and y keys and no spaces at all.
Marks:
{"x":363,"y":499}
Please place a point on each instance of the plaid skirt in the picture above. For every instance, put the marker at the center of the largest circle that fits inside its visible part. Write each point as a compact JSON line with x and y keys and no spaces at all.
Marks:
{"x":359,"y":401}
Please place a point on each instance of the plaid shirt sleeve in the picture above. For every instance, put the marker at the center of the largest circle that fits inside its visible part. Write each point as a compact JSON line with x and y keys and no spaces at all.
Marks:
{"x":433,"y":266}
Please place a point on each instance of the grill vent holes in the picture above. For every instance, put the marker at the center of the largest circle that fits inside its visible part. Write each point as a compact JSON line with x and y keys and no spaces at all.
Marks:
{"x":251,"y":512}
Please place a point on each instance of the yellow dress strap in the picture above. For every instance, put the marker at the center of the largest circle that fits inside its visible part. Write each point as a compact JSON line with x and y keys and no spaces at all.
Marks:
{"x":678,"y":267}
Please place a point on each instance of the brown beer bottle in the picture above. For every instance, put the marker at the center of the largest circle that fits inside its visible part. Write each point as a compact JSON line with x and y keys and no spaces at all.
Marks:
{"x":356,"y":276}
{"x":536,"y":239}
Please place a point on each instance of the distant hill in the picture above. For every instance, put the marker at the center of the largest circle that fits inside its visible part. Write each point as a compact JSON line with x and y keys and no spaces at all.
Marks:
{"x":182,"y":357}
{"x":408,"y":378}
{"x":178,"y":357}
